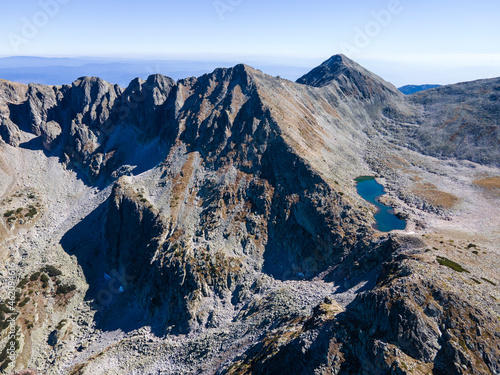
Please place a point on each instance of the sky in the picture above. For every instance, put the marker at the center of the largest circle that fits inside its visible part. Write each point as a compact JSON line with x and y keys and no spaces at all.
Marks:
{"x":404,"y":41}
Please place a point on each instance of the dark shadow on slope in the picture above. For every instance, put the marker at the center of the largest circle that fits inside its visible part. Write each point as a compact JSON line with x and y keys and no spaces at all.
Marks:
{"x":367,"y":281}
{"x":300,"y":244}
{"x":127,"y":154}
{"x":112,"y":293}
{"x":34,"y":144}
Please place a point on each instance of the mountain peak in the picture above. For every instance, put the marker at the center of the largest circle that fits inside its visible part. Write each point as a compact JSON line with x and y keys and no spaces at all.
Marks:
{"x":339,"y":59}
{"x":244,"y":70}
{"x":328,"y":71}
{"x":352,"y":78}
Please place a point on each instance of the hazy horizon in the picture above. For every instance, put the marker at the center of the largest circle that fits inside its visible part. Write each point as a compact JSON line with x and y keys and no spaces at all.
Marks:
{"x":64,"y":70}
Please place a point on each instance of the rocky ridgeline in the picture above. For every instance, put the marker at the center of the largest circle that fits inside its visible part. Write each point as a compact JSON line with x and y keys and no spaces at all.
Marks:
{"x":234,"y":188}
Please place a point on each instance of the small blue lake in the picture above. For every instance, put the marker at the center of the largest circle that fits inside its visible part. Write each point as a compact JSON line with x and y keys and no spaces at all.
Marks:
{"x":385,"y":219}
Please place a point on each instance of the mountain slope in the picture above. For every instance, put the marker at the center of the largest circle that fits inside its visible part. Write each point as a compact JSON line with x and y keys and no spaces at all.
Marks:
{"x":460,"y":121}
{"x":212,"y":224}
{"x":412,"y":89}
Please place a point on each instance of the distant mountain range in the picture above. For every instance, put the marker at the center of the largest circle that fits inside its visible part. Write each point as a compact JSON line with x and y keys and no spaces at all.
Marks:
{"x":412,"y":89}
{"x":59,"y":71}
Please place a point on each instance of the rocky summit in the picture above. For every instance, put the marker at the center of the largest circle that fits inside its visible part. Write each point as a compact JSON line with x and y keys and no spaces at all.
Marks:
{"x":212,"y":226}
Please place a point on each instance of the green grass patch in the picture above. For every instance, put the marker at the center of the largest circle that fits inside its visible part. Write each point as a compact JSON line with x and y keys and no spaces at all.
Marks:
{"x":462,"y":344}
{"x":24,"y":302}
{"x":22,"y":283}
{"x":51,"y":271}
{"x":61,"y":324}
{"x":451,"y":264}
{"x":4,"y":308}
{"x":488,"y":281}
{"x":32,"y":211}
{"x":364,"y":178}
{"x":65,"y":288}
{"x":5,"y":365}
{"x":9,"y":213}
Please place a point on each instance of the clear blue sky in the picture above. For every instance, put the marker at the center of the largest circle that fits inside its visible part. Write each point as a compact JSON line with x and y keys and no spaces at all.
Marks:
{"x":428,"y":40}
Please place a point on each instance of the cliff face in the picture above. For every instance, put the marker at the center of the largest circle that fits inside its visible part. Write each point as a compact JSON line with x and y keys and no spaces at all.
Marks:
{"x":229,"y":203}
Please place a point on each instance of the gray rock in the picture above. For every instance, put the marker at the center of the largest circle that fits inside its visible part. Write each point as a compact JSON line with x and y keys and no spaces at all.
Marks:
{"x":10,"y":132}
{"x":50,"y":132}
